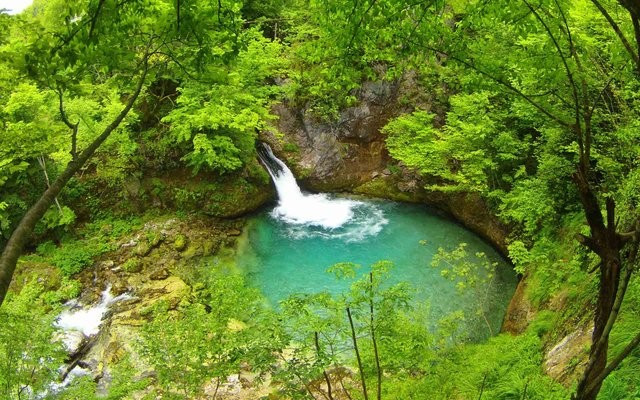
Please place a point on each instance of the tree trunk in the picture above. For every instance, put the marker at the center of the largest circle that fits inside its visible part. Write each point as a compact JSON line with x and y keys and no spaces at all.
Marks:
{"x":23,"y":231}
{"x":375,"y":342}
{"x":606,"y":243}
{"x":608,"y":288}
{"x":324,"y":372}
{"x":636,"y":31}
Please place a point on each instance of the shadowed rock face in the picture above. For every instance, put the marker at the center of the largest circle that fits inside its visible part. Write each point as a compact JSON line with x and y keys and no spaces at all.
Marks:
{"x":341,"y":154}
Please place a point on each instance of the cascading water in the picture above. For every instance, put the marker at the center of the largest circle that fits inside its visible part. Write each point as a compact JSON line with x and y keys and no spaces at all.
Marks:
{"x":76,"y":324}
{"x":85,"y":321}
{"x":318,"y":214}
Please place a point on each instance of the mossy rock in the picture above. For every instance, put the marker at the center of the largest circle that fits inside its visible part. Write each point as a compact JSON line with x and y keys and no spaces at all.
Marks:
{"x":211,"y":246}
{"x":192,"y":251}
{"x":132,"y":265}
{"x":384,"y":188}
{"x":154,"y":239}
{"x":180,"y":243}
{"x":160,"y":275}
{"x":142,"y":249}
{"x":49,"y":276}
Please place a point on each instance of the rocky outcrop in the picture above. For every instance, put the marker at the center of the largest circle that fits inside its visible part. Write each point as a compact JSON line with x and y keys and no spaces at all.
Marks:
{"x":472,"y":211}
{"x":180,"y":189}
{"x":152,"y":265}
{"x":520,"y":311}
{"x":341,"y":154}
{"x":566,"y":360}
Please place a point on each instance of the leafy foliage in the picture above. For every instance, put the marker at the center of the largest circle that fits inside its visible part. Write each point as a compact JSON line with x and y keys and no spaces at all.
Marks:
{"x":209,"y":339}
{"x":492,"y":90}
{"x":29,"y":356}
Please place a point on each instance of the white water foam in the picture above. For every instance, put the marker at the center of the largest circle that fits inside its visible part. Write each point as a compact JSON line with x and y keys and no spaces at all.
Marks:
{"x":318,"y":215}
{"x":77,"y":323}
{"x":56,"y":387}
{"x":367,"y":221}
{"x":88,"y":320}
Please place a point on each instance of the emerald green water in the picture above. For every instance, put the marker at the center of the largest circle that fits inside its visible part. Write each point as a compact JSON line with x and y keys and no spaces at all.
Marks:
{"x":282,"y":258}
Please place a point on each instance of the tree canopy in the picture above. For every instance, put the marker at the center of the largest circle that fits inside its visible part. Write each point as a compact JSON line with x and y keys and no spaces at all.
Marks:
{"x":532,"y":107}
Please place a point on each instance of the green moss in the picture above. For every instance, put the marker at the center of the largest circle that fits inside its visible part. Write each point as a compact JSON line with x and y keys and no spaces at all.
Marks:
{"x":290,"y":147}
{"x":153,"y":238}
{"x":192,"y":251}
{"x":543,"y":323}
{"x":142,"y":249}
{"x":180,"y":242}
{"x":29,"y":269}
{"x":210,"y":246}
{"x":75,"y":255}
{"x":383,"y":188}
{"x":303,"y":173}
{"x":132,"y":265}
{"x":257,"y":173}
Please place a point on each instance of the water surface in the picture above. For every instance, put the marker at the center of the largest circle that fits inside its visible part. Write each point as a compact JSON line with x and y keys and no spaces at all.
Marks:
{"x":282,"y":258}
{"x":289,"y":248}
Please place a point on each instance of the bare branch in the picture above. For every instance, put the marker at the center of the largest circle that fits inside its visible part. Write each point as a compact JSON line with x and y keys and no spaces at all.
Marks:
{"x":600,"y":96}
{"x":588,"y":242}
{"x":43,"y":165}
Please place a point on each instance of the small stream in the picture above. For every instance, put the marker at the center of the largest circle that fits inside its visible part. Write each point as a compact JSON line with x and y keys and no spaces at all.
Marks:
{"x":290,"y":247}
{"x":77,"y":324}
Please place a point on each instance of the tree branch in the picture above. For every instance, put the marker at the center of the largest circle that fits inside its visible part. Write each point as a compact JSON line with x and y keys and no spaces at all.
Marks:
{"x":583,"y":82}
{"x":23,"y":231}
{"x":357,"y":27}
{"x":613,"y":364}
{"x":616,"y":28}
{"x":43,"y":165}
{"x":501,"y":82}
{"x":73,"y":127}
{"x":600,"y":96}
{"x":574,"y":88}
{"x":94,"y":20}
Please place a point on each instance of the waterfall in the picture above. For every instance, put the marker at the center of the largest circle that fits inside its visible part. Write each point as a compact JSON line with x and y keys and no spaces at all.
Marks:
{"x":336,"y":218}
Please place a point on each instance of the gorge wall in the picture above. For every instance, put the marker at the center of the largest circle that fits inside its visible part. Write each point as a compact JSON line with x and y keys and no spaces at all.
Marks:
{"x":349,"y":155}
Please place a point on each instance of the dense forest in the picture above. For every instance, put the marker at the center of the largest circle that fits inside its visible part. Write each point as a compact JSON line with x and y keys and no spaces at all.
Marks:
{"x":470,"y":174}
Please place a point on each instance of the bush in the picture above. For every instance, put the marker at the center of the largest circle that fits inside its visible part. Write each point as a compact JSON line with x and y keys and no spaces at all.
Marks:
{"x":72,"y":257}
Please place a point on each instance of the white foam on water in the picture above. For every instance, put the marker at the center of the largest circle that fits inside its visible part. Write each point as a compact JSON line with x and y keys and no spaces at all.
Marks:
{"x":76,"y":372}
{"x":314,"y":210}
{"x":367,"y":221}
{"x":88,"y":319}
{"x":78,"y":323}
{"x":345,"y":219}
